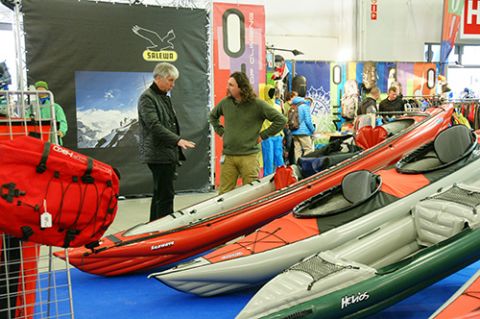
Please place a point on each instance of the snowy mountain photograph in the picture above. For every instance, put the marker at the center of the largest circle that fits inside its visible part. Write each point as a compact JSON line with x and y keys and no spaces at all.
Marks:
{"x":107,"y":107}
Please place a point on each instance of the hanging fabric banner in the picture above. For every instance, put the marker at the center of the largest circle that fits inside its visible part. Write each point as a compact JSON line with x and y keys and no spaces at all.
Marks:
{"x":238,"y":45}
{"x":452,"y":11}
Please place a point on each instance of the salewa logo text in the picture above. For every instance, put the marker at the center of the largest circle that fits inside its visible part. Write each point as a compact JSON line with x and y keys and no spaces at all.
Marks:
{"x":348,"y":300}
{"x":158,"y":47}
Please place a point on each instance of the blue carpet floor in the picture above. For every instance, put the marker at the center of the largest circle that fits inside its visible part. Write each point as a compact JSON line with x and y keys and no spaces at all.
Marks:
{"x":136,"y":297}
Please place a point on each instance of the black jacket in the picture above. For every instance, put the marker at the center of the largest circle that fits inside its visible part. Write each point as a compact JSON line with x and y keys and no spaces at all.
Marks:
{"x":391,"y":106}
{"x":159,"y":129}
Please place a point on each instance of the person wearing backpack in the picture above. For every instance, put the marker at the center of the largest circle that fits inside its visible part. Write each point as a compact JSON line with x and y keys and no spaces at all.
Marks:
{"x":302,"y":135}
{"x":369,"y":104}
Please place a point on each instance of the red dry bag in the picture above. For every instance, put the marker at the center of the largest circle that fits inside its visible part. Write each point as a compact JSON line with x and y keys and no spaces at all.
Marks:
{"x":54,"y":196}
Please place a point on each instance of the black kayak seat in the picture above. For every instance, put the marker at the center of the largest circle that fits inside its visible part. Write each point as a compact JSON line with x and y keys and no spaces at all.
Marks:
{"x":356,"y":188}
{"x":450,"y":146}
{"x":452,"y":143}
{"x":359,"y":186}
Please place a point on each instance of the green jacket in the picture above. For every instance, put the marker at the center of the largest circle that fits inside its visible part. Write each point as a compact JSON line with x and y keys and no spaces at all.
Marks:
{"x":242,"y":124}
{"x":45,"y":113}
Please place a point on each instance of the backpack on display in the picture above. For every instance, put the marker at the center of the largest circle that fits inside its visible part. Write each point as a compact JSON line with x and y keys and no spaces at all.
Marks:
{"x":292,"y":116}
{"x":54,"y":196}
{"x":349,"y":101}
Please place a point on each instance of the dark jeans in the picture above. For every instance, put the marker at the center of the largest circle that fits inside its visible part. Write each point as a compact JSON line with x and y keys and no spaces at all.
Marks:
{"x":163,"y":191}
{"x":289,"y":151}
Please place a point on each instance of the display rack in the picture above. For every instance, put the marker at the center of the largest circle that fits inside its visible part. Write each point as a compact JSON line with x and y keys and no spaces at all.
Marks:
{"x":32,"y":283}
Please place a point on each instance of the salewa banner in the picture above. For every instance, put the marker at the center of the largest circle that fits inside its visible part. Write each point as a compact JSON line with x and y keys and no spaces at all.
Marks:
{"x":98,"y":58}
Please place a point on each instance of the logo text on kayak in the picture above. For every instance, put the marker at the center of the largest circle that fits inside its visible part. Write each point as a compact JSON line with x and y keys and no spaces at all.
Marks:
{"x":348,"y":300}
{"x":167,"y":244}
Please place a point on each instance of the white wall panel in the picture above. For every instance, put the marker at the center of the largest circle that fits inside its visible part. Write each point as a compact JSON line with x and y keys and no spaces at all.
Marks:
{"x":400,"y":31}
{"x":326,"y":29}
{"x":319,"y":28}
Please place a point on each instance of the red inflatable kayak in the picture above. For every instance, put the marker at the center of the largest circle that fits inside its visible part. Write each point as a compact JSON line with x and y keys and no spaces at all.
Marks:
{"x":122,"y":253}
{"x":465,"y":303}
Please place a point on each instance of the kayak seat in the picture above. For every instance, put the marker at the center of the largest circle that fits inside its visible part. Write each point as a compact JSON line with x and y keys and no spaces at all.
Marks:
{"x":446,"y":214}
{"x":356,"y":188}
{"x":359,"y":186}
{"x":450,"y":146}
{"x":310,"y":166}
{"x":452,"y":143}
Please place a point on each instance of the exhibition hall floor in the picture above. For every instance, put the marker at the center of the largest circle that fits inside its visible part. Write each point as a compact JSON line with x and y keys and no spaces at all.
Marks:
{"x":135,"y":296}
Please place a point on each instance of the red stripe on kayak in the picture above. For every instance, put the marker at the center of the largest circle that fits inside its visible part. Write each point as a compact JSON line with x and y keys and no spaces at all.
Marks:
{"x":465,"y":305}
{"x":392,"y":183}
{"x":278,"y":233}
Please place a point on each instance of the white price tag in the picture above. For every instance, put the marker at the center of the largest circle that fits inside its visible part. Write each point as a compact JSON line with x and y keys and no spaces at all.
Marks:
{"x":46,"y":220}
{"x":45,"y":217}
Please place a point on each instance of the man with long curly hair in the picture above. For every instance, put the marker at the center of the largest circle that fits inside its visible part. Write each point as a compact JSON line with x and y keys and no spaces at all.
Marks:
{"x":243,"y":115}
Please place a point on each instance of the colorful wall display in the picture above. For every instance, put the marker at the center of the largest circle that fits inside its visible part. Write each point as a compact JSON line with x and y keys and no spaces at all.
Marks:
{"x":326,"y":80}
{"x":416,"y":79}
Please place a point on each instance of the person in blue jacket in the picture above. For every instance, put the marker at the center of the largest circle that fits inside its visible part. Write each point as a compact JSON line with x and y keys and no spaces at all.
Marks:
{"x":302,"y":137}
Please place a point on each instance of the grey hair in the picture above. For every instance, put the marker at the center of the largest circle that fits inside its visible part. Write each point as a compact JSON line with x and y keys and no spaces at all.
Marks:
{"x":165,"y":70}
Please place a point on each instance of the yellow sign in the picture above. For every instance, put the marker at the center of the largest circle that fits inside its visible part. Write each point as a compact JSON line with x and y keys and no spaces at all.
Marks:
{"x":167,"y":56}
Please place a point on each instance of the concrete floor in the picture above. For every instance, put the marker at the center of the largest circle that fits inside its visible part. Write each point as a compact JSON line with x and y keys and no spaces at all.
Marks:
{"x":135,"y":211}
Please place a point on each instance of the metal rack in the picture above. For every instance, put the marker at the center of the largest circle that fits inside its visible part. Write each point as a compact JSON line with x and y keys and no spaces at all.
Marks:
{"x":32,"y":283}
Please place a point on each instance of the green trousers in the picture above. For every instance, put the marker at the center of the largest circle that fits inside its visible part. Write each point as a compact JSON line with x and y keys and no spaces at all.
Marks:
{"x":234,"y":166}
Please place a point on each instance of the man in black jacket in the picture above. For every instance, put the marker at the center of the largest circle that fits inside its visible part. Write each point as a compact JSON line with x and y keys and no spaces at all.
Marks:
{"x":160,"y":142}
{"x":393,"y":103}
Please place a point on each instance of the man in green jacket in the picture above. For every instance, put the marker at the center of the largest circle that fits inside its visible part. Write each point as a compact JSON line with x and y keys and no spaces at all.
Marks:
{"x":243,"y":115}
{"x":160,"y":142}
{"x":46,"y":112}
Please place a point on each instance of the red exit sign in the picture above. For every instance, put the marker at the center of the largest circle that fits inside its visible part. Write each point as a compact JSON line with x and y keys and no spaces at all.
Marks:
{"x":470,"y":27}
